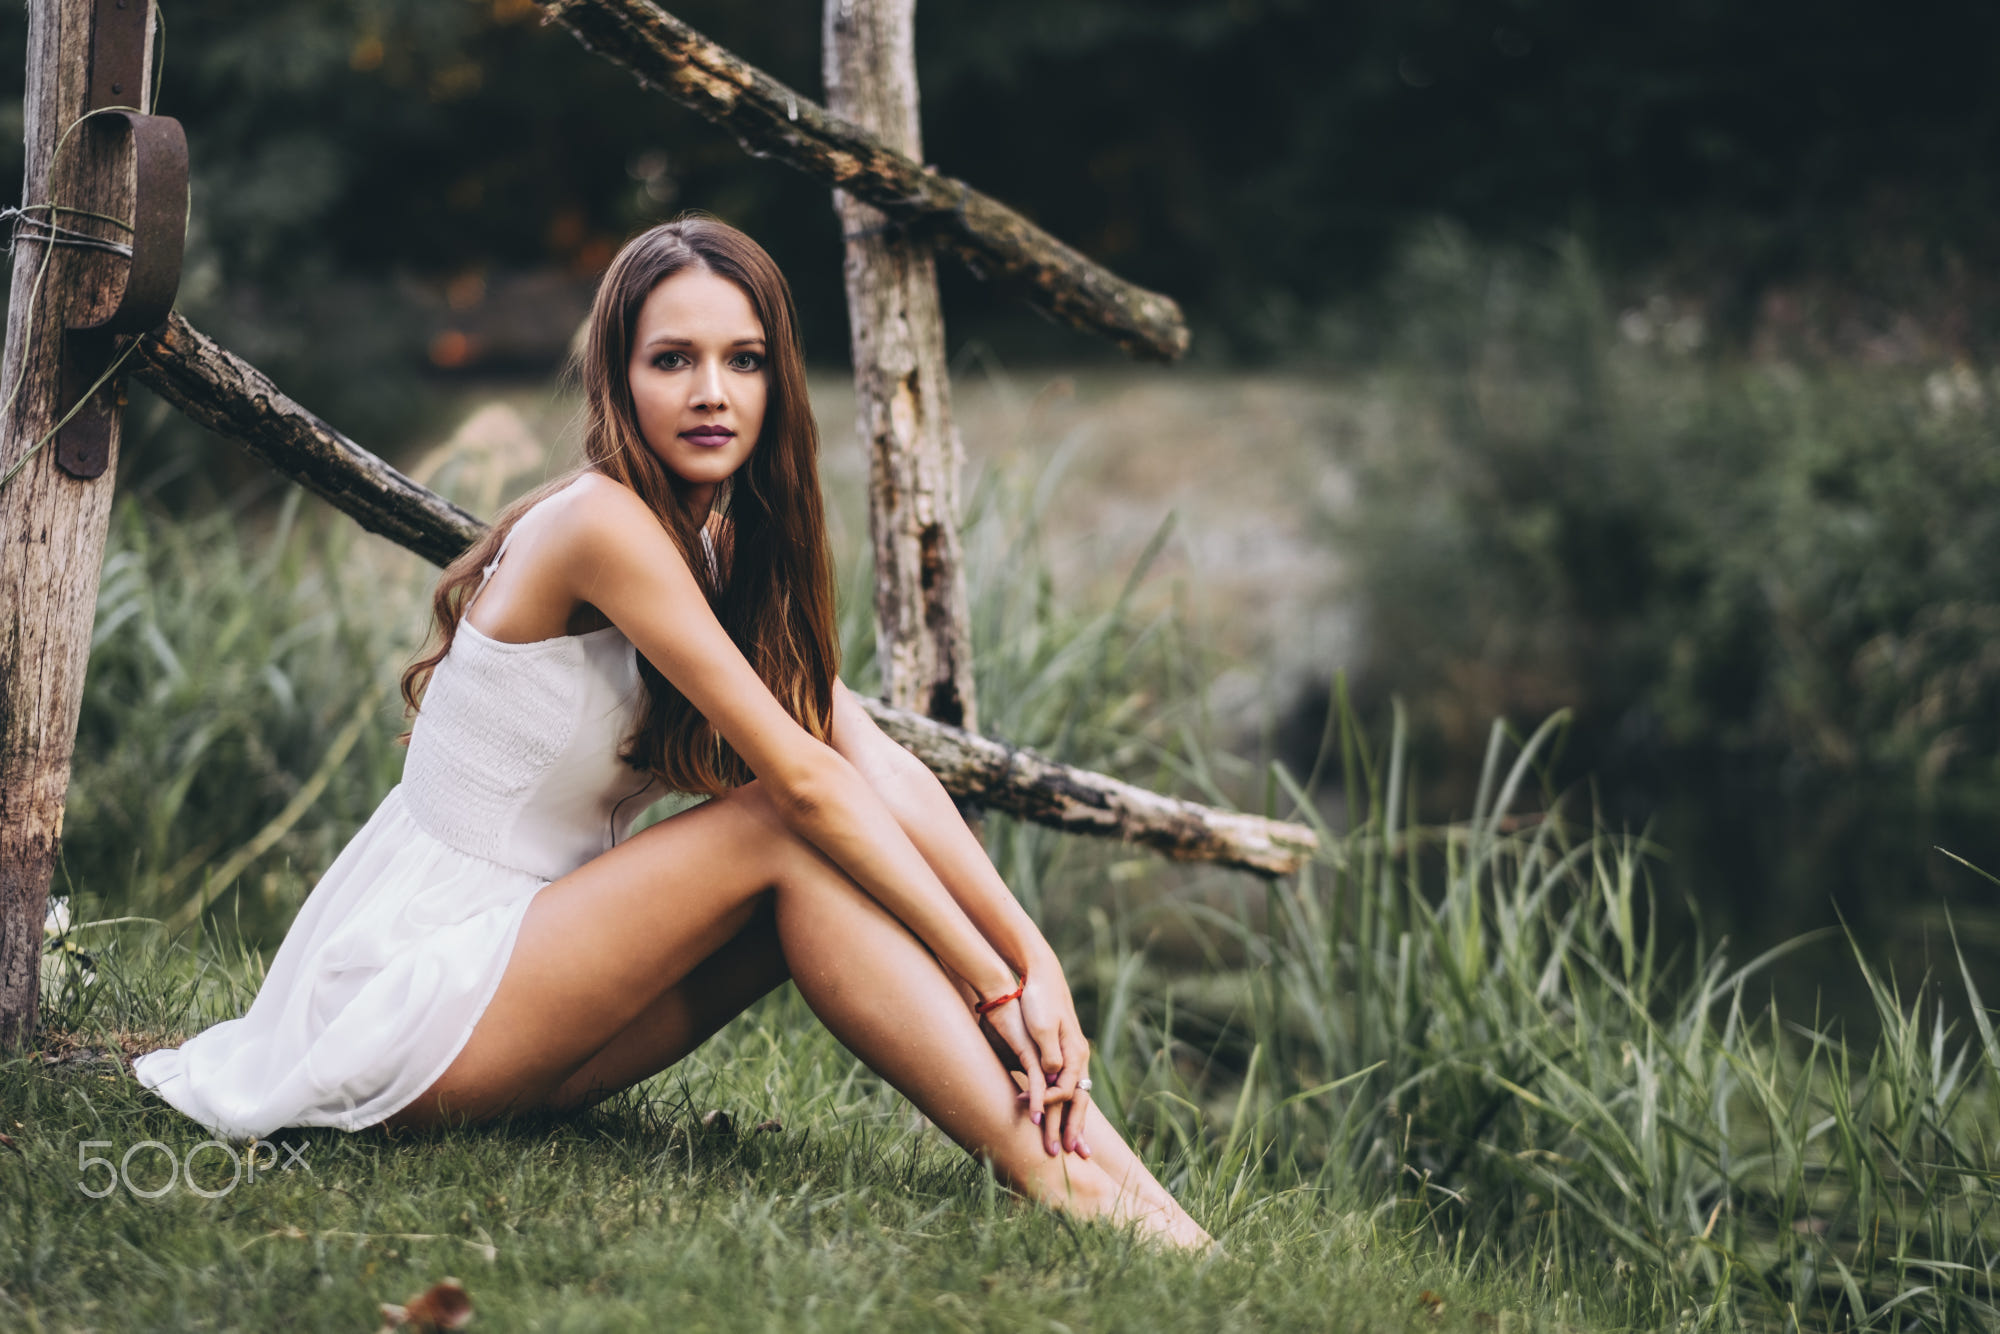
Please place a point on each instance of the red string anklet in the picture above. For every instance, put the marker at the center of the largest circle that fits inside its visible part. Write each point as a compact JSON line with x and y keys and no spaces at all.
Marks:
{"x":985,"y":1008}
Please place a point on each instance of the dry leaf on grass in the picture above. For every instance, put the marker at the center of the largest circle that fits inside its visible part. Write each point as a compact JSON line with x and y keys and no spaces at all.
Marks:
{"x":444,"y":1305}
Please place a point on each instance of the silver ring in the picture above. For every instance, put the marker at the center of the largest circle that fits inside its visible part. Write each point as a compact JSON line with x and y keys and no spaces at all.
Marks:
{"x":1083,"y":1085}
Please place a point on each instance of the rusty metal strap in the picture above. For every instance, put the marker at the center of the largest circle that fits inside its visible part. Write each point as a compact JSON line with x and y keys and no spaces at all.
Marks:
{"x":159,"y":225}
{"x":145,"y":294}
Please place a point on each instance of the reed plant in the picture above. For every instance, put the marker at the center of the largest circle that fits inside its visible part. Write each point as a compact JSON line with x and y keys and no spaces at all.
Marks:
{"x":236,"y":726}
{"x":1470,"y":1026}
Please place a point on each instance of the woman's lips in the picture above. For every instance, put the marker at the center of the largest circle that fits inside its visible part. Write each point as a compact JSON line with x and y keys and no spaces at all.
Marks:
{"x":709,"y":435}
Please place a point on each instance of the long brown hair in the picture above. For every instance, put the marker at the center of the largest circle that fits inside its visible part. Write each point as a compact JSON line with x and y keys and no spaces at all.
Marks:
{"x":775,"y":592}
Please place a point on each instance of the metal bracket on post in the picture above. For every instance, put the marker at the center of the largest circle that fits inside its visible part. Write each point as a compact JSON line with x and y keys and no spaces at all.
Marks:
{"x":159,"y":232}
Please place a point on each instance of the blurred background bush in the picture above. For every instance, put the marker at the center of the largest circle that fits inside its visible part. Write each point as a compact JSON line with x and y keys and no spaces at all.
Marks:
{"x":1769,"y":585}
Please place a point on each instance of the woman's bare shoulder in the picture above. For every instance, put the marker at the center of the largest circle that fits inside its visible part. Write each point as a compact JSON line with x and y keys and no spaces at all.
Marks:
{"x":593,"y":495}
{"x":600,"y":517}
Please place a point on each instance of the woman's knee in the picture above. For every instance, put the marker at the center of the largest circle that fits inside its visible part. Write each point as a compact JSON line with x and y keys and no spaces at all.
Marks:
{"x":796,"y":865}
{"x":757,"y":838}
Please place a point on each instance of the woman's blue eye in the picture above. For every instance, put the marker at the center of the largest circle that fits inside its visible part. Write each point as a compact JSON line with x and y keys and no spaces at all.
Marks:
{"x":752,"y":360}
{"x":661,"y":360}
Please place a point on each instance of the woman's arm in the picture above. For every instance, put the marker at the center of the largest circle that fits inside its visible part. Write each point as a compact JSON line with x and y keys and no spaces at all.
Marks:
{"x":618,"y":558}
{"x":929,"y":817}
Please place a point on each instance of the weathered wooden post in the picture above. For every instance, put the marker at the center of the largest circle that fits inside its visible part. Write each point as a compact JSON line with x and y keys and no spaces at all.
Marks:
{"x":80,"y":279}
{"x":902,"y":389}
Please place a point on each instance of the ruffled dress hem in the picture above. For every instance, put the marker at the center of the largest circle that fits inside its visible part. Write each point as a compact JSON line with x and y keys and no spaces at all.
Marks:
{"x":376,"y":989}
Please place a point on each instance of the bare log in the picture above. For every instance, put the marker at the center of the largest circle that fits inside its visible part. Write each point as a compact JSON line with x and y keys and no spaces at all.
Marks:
{"x":902,"y":385}
{"x":233,"y":398}
{"x":52,"y":524}
{"x":771,"y":120}
{"x":1078,"y":801}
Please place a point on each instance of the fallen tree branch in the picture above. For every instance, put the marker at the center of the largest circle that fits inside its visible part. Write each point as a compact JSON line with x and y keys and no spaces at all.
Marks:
{"x":233,"y":398}
{"x":771,"y":120}
{"x":1078,"y":801}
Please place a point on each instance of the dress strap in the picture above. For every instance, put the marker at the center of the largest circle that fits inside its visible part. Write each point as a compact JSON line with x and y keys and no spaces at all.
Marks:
{"x":487,"y":574}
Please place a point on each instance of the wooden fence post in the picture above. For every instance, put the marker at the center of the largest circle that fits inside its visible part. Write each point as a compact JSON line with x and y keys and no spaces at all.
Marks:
{"x":52,"y":524}
{"x":902,"y":389}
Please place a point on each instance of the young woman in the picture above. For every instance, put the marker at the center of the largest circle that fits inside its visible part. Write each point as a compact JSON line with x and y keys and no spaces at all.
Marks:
{"x":662,"y":620}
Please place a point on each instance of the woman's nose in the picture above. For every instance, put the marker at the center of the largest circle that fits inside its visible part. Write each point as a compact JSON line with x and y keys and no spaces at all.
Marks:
{"x":708,"y":387}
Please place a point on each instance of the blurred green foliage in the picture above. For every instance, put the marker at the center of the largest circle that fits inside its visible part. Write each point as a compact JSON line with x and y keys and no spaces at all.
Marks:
{"x":221,"y":664}
{"x":1795,"y":563}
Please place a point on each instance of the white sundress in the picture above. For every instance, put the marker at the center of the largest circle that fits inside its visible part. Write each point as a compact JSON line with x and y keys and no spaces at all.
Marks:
{"x":512,"y":779}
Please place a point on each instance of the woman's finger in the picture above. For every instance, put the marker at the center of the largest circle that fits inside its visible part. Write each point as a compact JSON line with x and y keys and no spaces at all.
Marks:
{"x":1006,"y":1021}
{"x":1061,"y":1086}
{"x":1063,"y":1106}
{"x":1037,"y":1090}
{"x":1051,"y":1126}
{"x":1072,"y":1123}
{"x":1044,"y":1021}
{"x":1076,"y":1064}
{"x":1048,"y":1041}
{"x":1047,"y":1029}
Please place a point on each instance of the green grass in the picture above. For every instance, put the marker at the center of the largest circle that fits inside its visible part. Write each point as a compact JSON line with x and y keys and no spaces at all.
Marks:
{"x":852,"y":1216}
{"x":1443,"y":1059}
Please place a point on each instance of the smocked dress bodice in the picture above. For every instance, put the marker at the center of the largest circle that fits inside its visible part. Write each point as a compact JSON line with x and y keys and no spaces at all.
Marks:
{"x":514,"y":753}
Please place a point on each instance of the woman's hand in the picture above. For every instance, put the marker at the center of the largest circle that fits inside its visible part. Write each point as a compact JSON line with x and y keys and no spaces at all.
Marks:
{"x":1007,"y":1031}
{"x":1049,"y":1014}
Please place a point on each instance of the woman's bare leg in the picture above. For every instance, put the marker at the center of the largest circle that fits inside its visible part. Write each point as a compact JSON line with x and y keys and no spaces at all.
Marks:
{"x":602,"y":946}
{"x":901,"y":1014}
{"x":686,"y":1015}
{"x":726,"y":983}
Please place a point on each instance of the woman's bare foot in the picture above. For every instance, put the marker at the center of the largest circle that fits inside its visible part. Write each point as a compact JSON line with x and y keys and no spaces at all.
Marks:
{"x":1087,"y":1191}
{"x":1169,"y":1223}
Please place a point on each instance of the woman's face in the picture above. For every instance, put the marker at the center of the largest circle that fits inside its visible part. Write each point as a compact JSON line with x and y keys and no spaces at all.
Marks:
{"x":698,"y":378}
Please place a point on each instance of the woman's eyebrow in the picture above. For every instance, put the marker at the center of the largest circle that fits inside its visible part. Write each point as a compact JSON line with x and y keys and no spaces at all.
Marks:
{"x":675,"y":340}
